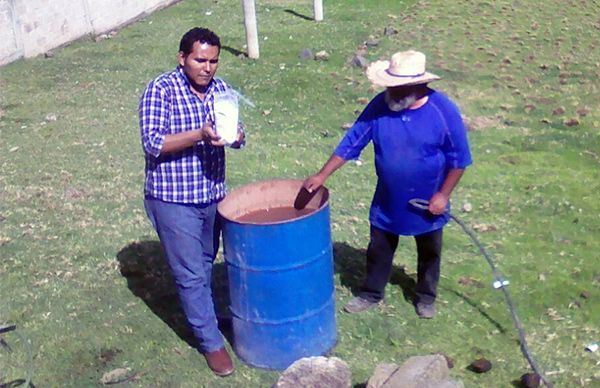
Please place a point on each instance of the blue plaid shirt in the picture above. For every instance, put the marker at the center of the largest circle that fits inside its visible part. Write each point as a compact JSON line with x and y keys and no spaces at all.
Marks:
{"x":195,"y":175}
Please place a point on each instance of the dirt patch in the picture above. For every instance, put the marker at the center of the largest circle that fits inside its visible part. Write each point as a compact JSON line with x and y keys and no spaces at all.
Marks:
{"x":73,"y":193}
{"x":481,"y":123}
{"x":107,"y":356}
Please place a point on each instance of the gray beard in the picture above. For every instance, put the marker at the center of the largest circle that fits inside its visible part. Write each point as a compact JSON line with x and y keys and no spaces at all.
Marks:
{"x":403,"y":103}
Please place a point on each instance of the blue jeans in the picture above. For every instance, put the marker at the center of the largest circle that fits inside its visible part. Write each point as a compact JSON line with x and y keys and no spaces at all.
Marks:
{"x":189,"y":235}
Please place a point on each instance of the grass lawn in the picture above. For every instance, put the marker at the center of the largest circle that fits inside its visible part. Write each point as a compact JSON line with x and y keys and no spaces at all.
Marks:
{"x":81,"y":271}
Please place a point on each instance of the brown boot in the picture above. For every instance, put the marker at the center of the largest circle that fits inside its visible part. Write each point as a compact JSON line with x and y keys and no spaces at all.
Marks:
{"x":219,"y":362}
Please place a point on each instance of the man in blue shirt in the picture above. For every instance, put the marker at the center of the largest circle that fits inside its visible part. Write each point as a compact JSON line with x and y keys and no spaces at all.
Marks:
{"x":185,"y":179}
{"x":421,"y":151}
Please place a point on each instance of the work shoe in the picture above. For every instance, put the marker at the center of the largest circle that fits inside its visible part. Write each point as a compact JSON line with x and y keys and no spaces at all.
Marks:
{"x":219,"y":362}
{"x":358,"y":304}
{"x":426,"y":311}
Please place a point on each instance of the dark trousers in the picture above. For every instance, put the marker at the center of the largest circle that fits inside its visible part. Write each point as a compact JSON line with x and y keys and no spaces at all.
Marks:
{"x":380,"y":255}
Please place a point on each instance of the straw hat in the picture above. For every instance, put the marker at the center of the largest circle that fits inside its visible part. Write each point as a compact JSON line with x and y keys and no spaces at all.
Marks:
{"x":405,"y":68}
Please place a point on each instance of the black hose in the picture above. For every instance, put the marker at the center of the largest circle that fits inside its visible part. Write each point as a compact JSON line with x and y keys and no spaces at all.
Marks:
{"x":423,"y":204}
{"x":10,"y":327}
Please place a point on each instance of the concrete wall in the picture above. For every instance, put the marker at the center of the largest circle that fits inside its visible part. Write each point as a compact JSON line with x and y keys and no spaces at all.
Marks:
{"x":32,"y":27}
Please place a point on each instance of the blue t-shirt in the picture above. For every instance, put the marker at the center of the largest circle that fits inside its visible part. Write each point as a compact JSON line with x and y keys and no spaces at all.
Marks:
{"x":414,"y":150}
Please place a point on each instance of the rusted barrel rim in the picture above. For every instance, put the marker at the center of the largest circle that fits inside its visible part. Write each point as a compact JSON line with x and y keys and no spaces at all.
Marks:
{"x":271,"y":194}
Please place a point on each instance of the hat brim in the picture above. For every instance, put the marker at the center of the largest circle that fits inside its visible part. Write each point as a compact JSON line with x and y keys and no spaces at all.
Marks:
{"x":378,"y":75}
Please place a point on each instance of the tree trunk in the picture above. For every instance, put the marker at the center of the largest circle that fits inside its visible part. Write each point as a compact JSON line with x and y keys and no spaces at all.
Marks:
{"x":251,"y":31}
{"x":318,"y":7}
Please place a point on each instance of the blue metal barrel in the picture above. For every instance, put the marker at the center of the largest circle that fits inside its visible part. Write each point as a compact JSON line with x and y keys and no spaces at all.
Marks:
{"x":280,"y":273}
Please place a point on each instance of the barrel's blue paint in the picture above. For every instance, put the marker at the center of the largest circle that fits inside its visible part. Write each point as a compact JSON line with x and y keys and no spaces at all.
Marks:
{"x":281,"y":289}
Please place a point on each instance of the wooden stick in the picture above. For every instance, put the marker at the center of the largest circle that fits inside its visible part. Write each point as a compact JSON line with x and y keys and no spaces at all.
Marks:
{"x":251,"y":30}
{"x":318,"y":8}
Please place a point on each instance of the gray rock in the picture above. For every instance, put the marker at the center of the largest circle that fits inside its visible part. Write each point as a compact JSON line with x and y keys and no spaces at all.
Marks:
{"x":450,"y":384}
{"x":322,"y":56}
{"x":416,"y":372}
{"x":387,"y":31}
{"x":381,"y":374}
{"x":316,"y":372}
{"x":372,"y":42}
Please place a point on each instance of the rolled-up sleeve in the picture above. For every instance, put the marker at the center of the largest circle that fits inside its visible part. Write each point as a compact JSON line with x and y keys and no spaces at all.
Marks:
{"x":456,"y":144}
{"x":356,"y":139}
{"x":359,"y":135}
{"x":154,"y":117}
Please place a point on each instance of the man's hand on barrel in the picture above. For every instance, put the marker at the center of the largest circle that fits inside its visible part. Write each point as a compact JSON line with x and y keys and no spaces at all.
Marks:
{"x":313,"y":183}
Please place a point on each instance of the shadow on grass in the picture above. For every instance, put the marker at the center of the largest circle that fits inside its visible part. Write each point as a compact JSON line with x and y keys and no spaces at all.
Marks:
{"x":149,"y":278}
{"x":350,"y":263}
{"x":16,"y":383}
{"x":301,"y":16}
{"x":473,"y":304}
{"x":234,"y":51}
{"x":521,"y":384}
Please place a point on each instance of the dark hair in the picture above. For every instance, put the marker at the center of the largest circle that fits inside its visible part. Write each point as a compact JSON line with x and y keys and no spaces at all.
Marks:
{"x":198,"y":34}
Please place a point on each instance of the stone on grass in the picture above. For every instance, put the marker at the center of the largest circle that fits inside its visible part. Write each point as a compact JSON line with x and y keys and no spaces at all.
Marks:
{"x":417,"y":372}
{"x":530,"y":380}
{"x":381,"y":374}
{"x":387,"y":31}
{"x":372,"y":42}
{"x":319,"y":371}
{"x":322,"y":56}
{"x":115,"y":376}
{"x":466,"y":207}
{"x":480,"y":365}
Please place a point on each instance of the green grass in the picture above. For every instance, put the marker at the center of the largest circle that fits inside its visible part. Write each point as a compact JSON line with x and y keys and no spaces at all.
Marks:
{"x":72,"y":172}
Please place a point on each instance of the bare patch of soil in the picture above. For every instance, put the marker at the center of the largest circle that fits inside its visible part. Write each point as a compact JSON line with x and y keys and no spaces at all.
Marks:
{"x":481,"y":123}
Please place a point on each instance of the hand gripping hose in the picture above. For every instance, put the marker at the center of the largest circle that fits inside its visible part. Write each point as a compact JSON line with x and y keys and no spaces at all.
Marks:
{"x":500,"y":283}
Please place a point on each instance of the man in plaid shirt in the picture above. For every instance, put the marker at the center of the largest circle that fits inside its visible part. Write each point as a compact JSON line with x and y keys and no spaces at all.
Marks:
{"x":185,"y":179}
